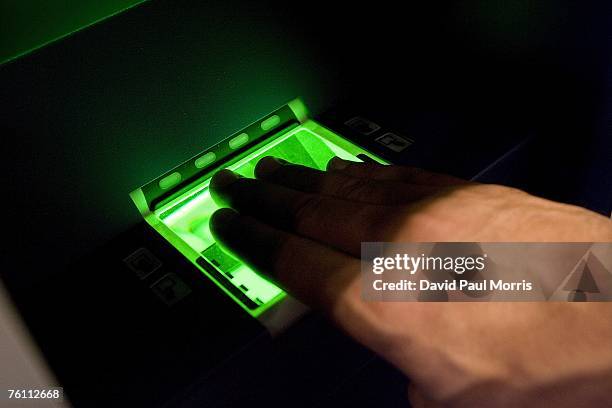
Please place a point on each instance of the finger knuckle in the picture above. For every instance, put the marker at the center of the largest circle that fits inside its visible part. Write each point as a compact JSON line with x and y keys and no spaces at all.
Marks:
{"x":307,"y":210}
{"x":353,"y":188}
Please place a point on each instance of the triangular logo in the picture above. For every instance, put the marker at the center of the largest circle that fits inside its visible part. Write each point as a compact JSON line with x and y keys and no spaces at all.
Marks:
{"x":582,"y":280}
{"x":589,"y":280}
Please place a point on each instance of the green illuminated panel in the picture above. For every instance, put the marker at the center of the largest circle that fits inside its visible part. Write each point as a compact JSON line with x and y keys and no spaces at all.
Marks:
{"x":187,"y":216}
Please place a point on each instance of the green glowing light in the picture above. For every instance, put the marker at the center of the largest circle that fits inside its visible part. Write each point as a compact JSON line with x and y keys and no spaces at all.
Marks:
{"x":239,"y":140}
{"x":205,"y":160}
{"x":270,"y":123}
{"x":189,"y":216}
{"x":184,"y":220}
{"x":169,"y":181}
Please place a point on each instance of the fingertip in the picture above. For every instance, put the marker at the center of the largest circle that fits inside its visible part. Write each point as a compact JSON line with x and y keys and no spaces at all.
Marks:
{"x":223,"y":178}
{"x":219,"y":184}
{"x":222,"y":221}
{"x":337,"y":163}
{"x":268,"y":166}
{"x":247,"y":239}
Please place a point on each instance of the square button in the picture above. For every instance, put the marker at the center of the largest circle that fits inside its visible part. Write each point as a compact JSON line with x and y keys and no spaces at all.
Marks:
{"x":170,"y":289}
{"x":142,"y":262}
{"x":361,"y":125}
{"x":394,"y":142}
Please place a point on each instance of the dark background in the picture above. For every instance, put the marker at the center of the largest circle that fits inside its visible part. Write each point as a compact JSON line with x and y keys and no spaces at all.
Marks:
{"x":29,"y":24}
{"x":89,"y":118}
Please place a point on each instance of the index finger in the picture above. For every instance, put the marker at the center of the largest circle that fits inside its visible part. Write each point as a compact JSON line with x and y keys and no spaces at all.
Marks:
{"x":314,"y":273}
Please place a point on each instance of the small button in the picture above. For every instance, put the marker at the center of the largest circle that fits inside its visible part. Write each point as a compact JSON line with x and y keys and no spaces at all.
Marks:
{"x":238,"y":141}
{"x":170,"y":180}
{"x":205,"y":160}
{"x":270,"y":123}
{"x":170,"y":289}
{"x":142,"y":262}
{"x":394,"y":142}
{"x":361,"y":125}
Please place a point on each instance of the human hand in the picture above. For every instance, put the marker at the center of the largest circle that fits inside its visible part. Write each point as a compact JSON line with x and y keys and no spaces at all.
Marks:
{"x":303,"y":228}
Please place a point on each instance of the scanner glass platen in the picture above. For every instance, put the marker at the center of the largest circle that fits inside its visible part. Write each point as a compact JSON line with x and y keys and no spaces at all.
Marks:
{"x":184,"y":217}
